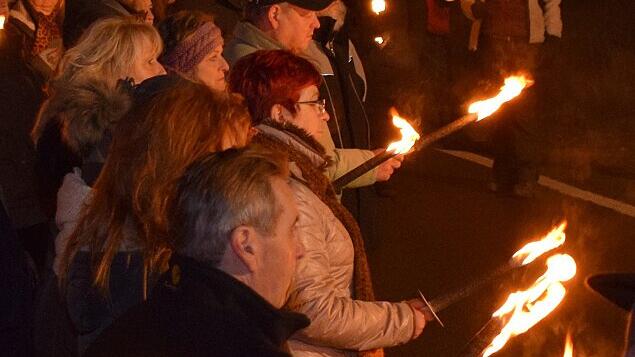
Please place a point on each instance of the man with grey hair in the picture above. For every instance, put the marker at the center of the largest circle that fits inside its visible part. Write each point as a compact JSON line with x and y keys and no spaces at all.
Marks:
{"x":232,"y":219}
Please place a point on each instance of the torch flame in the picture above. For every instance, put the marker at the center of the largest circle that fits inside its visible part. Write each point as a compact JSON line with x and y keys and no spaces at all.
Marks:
{"x":379,"y":40}
{"x":2,"y":18}
{"x":378,"y":6}
{"x":568,"y":346}
{"x":533,"y":250}
{"x":514,"y":85}
{"x":409,"y":136}
{"x":524,"y":309}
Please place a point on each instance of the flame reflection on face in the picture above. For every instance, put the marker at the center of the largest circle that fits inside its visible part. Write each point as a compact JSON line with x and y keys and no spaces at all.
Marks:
{"x":524,"y":309}
{"x":409,"y":136}
{"x":514,"y":85}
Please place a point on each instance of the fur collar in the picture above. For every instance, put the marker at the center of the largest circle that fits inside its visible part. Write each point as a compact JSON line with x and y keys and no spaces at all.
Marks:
{"x":86,"y":111}
{"x":297,"y":138}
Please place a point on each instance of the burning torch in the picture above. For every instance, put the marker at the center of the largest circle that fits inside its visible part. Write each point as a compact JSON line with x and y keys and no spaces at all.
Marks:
{"x":524,"y":256}
{"x":477,"y":111}
{"x":524,"y":309}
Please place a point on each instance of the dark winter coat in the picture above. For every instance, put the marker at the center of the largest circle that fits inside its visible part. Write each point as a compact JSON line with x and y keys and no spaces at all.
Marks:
{"x":197,"y":310}
{"x":74,"y":131}
{"x":343,"y":86}
{"x":22,"y":77}
{"x":80,"y":14}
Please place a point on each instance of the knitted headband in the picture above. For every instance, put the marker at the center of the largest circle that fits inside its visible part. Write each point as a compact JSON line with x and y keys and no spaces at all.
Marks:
{"x":191,"y":51}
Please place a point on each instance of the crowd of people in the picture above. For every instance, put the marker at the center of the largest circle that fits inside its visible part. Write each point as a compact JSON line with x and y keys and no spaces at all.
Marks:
{"x":165,"y":193}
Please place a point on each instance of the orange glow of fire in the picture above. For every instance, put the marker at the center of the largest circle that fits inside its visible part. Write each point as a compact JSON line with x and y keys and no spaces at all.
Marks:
{"x":568,"y":346}
{"x":2,"y":19}
{"x":514,"y":85}
{"x":533,"y":250}
{"x":524,"y":309}
{"x":409,"y":136}
{"x":379,"y":40}
{"x":378,"y":6}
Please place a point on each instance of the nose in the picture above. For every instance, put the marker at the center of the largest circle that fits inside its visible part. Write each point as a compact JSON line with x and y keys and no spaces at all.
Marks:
{"x":160,"y":69}
{"x":315,"y":24}
{"x":325,"y":116}
{"x":224,"y":65}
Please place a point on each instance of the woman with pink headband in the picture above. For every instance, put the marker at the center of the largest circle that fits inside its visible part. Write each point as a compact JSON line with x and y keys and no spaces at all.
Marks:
{"x":193,"y":48}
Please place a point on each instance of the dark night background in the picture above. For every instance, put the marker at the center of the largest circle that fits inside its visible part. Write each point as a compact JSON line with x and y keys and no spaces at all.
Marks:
{"x":443,"y":228}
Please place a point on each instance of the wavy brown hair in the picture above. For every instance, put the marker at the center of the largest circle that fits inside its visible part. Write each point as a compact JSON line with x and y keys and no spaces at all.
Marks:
{"x":152,"y":147}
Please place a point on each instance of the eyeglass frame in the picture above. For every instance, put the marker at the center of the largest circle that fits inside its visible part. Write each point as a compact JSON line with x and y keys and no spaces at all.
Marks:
{"x":320,"y":103}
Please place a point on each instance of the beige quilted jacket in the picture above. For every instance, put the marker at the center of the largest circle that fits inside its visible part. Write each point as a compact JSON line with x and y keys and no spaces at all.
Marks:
{"x":323,"y":281}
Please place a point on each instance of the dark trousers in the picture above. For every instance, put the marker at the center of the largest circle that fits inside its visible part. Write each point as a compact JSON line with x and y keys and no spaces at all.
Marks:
{"x":516,"y":128}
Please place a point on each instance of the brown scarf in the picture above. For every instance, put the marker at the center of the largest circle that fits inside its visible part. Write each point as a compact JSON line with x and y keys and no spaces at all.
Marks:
{"x":319,"y":184}
{"x":47,"y":30}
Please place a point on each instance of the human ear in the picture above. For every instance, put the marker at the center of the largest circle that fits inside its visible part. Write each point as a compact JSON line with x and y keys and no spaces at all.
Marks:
{"x":278,"y":113}
{"x":243,"y":243}
{"x":272,"y":16}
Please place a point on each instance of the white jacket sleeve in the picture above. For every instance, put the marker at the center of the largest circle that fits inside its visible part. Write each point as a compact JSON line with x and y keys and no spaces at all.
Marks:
{"x":337,"y":320}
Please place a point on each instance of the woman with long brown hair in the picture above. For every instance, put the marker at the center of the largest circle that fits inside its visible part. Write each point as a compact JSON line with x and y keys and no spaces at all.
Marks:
{"x":122,"y":241}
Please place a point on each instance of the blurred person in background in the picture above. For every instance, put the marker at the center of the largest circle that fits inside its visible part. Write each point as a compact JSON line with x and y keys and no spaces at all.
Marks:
{"x":194,"y":48}
{"x":80,"y":14}
{"x":513,"y":37}
{"x":30,"y":49}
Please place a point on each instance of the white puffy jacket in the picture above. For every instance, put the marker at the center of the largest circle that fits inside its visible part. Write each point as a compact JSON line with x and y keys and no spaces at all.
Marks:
{"x":323,"y":282}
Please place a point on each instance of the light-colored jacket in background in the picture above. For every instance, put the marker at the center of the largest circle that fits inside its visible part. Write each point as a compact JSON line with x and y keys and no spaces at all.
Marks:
{"x":72,"y":196}
{"x":248,"y":39}
{"x":324,"y":277}
{"x":542,"y":19}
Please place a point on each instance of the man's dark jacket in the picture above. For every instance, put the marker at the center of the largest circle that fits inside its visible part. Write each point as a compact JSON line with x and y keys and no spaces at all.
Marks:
{"x":197,"y":310}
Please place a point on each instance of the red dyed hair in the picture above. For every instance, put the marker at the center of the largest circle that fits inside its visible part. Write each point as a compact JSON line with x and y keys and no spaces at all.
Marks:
{"x":266,"y":78}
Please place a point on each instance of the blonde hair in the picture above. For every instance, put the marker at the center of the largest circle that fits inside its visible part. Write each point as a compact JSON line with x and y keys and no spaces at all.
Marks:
{"x":106,"y":51}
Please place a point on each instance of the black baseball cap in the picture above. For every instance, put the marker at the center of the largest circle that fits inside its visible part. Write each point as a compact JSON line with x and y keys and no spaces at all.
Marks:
{"x":313,"y":5}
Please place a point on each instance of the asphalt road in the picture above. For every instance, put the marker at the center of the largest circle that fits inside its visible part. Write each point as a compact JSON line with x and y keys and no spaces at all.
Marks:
{"x":443,"y":229}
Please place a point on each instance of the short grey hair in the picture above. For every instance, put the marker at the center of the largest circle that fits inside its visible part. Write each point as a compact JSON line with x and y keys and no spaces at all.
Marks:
{"x":221,"y":192}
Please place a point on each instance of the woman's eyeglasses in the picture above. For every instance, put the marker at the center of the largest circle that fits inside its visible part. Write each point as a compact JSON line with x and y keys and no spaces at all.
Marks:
{"x":320,"y":103}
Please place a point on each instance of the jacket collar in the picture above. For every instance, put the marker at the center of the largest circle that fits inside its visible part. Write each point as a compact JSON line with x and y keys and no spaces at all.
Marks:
{"x":296,"y":138}
{"x":276,"y":324}
{"x":248,"y":33}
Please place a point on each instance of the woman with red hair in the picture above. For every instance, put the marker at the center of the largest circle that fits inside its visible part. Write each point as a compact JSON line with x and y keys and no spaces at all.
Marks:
{"x":332,"y":284}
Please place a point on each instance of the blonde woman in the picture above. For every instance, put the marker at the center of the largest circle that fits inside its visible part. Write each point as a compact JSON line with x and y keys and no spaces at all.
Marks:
{"x":73,"y":124}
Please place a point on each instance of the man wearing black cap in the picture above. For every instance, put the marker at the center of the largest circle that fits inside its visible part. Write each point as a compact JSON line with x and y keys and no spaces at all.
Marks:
{"x":273,"y":25}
